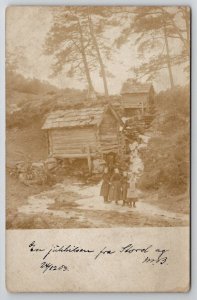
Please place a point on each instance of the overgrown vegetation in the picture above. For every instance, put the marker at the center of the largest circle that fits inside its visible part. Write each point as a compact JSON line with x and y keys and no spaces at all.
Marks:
{"x":166,"y":160}
{"x":29,"y":100}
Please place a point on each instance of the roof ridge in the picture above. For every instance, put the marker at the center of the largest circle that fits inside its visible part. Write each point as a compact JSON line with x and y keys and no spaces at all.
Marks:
{"x":74,"y":117}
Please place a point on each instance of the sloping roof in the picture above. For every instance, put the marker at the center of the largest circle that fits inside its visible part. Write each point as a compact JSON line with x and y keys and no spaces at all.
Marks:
{"x":134,"y":87}
{"x":76,"y":117}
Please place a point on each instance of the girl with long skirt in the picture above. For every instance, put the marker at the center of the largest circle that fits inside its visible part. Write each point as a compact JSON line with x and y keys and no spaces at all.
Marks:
{"x":115,"y":187}
{"x":132,"y":196}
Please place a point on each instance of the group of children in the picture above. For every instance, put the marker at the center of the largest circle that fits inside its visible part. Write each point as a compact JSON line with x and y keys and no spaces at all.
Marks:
{"x":117,"y":187}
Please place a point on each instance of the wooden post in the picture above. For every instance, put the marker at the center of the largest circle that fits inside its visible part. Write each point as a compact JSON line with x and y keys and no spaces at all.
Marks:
{"x":89,"y":159}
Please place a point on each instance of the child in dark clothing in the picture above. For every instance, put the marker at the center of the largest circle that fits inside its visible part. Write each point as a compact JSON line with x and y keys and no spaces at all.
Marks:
{"x":105,"y":185}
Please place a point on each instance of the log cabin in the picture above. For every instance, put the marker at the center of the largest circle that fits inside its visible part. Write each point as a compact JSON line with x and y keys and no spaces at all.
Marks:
{"x":84,"y":133}
{"x":137,"y":98}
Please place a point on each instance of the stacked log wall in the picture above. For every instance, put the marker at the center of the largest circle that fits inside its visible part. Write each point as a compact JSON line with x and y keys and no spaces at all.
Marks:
{"x":109,"y":133}
{"x":134,"y":100}
{"x":72,"y":142}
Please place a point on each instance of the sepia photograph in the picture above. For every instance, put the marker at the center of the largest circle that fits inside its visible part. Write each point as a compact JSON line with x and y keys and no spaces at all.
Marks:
{"x":97,"y":117}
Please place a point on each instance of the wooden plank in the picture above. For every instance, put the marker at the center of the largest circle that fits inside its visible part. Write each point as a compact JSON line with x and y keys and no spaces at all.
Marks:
{"x":73,"y":132}
{"x":74,"y":142}
{"x":78,"y":144}
{"x":109,"y":134}
{"x":71,"y":155}
{"x":75,"y":139}
{"x":109,"y":141}
{"x":73,"y":151}
{"x":68,"y":150}
{"x":72,"y":145}
{"x":109,"y":148}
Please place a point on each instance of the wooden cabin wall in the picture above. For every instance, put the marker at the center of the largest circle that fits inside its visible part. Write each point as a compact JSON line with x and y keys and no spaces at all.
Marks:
{"x":133,"y":100}
{"x":109,"y":133}
{"x":73,"y":142}
{"x":129,"y":112}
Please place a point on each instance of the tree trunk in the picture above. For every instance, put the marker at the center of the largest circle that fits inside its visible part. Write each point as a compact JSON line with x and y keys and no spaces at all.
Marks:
{"x":98,"y":55}
{"x":91,"y":91}
{"x":168,"y":57}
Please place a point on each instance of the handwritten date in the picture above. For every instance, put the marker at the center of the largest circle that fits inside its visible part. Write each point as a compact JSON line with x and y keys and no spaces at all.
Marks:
{"x":47,"y":266}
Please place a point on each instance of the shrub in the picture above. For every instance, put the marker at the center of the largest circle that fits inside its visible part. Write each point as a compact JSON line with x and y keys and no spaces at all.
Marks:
{"x":166,"y":159}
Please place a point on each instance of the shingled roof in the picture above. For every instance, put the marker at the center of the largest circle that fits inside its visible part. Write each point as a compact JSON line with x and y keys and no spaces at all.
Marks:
{"x":89,"y":116}
{"x":132,"y":87}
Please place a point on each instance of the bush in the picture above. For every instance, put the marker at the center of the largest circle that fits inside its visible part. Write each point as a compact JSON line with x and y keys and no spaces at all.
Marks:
{"x":166,"y":160}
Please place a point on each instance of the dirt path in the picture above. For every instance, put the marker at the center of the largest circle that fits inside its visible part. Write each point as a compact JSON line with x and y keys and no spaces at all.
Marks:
{"x":82,"y":206}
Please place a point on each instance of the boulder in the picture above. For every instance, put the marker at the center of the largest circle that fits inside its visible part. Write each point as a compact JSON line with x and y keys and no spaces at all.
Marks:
{"x":51,"y":163}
